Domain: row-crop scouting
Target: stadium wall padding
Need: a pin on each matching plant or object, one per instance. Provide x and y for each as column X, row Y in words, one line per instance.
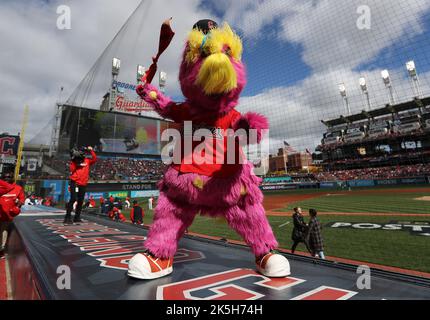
column 58, row 189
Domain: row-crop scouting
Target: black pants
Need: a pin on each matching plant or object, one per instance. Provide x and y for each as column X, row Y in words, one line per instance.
column 296, row 243
column 77, row 193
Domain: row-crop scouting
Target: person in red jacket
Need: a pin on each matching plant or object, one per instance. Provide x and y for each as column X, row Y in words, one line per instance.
column 12, row 197
column 79, row 175
column 137, row 214
column 48, row 202
column 92, row 202
column 116, row 215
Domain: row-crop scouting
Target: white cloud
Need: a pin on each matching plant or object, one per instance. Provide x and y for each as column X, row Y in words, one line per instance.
column 327, row 30
column 330, row 37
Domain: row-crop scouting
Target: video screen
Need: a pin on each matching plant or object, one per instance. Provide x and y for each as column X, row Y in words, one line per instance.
column 110, row 132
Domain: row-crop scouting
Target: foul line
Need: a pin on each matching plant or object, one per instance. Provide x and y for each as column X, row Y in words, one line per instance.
column 366, row 214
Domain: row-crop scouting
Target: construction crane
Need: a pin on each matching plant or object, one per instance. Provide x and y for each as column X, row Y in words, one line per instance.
column 21, row 143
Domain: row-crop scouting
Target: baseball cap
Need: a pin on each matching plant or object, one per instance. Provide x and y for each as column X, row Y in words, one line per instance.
column 205, row 25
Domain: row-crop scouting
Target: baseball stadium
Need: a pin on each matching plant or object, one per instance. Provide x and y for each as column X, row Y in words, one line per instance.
column 345, row 91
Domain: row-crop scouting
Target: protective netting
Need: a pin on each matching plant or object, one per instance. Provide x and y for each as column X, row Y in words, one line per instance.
column 297, row 54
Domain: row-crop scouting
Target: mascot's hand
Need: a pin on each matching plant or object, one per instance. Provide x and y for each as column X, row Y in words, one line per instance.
column 152, row 96
column 148, row 93
column 252, row 121
column 199, row 183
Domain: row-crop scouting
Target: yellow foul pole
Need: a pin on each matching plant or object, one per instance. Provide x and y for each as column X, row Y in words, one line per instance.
column 21, row 143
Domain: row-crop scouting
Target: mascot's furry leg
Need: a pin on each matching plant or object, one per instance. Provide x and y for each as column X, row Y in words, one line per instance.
column 171, row 219
column 249, row 220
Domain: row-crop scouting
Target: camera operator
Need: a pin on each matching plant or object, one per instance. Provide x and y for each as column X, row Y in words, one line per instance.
column 79, row 175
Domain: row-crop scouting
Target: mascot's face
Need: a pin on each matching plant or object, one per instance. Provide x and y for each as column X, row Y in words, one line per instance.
column 212, row 75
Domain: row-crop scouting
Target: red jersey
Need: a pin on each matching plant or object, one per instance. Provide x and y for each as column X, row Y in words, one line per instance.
column 80, row 173
column 208, row 155
column 5, row 187
column 8, row 202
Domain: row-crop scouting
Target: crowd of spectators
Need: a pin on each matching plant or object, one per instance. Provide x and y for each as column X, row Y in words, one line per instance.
column 370, row 173
column 127, row 169
column 116, row 169
column 391, row 172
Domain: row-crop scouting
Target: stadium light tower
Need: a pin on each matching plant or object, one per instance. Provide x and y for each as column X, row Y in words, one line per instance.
column 116, row 66
column 363, row 85
column 342, row 90
column 140, row 73
column 163, row 81
column 387, row 81
column 412, row 70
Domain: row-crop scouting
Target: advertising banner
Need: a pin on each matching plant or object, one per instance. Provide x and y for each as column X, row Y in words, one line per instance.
column 95, row 195
column 118, row 194
column 145, row 194
column 386, row 182
column 421, row 228
column 279, row 187
column 413, row 181
column 328, row 185
column 108, row 187
column 361, row 183
column 305, row 185
column 66, row 192
column 29, row 187
column 55, row 187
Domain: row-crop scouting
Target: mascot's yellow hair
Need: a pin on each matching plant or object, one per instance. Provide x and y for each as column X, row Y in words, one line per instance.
column 217, row 74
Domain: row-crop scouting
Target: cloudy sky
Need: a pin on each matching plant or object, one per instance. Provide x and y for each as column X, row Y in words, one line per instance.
column 296, row 52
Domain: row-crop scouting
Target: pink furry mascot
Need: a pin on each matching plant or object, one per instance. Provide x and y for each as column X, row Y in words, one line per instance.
column 212, row 76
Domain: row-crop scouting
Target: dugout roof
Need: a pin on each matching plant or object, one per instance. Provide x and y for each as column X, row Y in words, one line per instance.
column 98, row 250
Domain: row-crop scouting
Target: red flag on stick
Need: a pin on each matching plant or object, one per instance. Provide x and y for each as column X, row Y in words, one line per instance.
column 166, row 36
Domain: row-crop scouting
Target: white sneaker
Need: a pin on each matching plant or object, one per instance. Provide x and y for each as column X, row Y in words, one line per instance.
column 146, row 267
column 273, row 265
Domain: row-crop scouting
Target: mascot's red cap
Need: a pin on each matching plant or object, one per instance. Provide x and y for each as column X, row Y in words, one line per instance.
column 205, row 25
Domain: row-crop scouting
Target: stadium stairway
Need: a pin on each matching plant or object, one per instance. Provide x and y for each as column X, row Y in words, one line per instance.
column 47, row 260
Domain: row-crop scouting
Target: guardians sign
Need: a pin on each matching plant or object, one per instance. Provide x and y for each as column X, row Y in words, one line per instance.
column 124, row 105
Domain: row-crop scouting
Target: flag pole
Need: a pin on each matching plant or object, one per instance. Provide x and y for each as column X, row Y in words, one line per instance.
column 21, row 143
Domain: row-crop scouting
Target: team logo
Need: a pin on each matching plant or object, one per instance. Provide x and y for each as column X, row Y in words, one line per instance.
column 245, row 284
column 112, row 247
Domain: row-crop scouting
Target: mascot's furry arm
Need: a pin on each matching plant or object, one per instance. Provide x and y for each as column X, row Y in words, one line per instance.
column 252, row 121
column 162, row 105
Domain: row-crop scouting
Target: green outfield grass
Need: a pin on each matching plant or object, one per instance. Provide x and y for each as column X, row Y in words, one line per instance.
column 391, row 248
column 378, row 202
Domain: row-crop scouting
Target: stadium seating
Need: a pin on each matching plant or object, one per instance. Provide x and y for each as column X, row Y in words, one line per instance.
column 127, row 169
column 116, row 169
column 391, row 172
